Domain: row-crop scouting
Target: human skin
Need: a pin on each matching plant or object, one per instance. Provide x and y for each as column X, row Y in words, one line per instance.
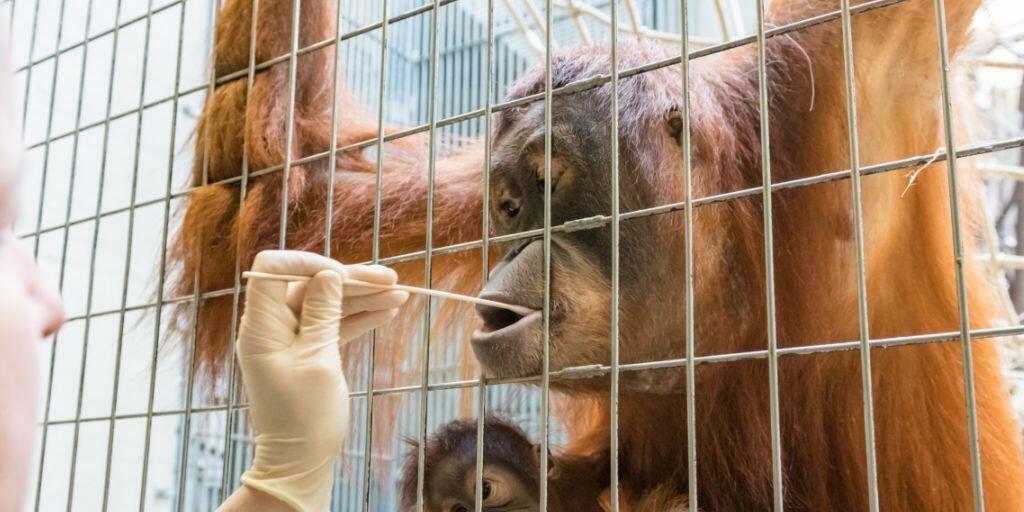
column 30, row 310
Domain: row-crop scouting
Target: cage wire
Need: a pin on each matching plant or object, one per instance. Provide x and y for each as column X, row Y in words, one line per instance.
column 110, row 93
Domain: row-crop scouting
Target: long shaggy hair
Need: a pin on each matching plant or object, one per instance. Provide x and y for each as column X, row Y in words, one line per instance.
column 921, row 436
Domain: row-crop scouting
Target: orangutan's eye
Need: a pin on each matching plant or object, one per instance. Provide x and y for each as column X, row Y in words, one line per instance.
column 510, row 208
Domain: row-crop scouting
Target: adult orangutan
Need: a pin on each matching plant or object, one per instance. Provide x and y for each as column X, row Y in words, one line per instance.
column 921, row 432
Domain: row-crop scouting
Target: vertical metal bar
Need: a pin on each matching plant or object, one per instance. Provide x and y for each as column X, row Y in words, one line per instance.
column 49, row 127
column 211, row 84
column 28, row 74
column 332, row 159
column 290, row 126
column 92, row 265
column 862, row 287
column 186, row 427
column 691, row 380
column 447, row 71
column 958, row 256
column 769, row 260
column 128, row 258
column 378, row 192
column 332, row 156
column 614, row 409
column 546, row 363
column 227, row 477
column 92, row 268
column 478, row 496
column 67, row 220
column 431, row 161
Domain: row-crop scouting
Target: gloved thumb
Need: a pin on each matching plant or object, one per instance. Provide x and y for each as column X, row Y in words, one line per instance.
column 321, row 307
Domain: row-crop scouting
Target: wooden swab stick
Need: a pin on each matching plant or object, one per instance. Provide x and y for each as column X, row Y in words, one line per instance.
column 519, row 310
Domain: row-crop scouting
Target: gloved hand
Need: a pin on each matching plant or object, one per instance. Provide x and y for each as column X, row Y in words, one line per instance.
column 287, row 350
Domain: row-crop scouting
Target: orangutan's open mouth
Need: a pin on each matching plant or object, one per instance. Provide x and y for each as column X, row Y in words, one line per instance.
column 502, row 327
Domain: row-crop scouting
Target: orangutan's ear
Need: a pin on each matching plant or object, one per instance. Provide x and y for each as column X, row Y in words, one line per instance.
column 674, row 123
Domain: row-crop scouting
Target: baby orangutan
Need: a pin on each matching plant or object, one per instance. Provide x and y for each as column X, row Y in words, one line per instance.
column 510, row 480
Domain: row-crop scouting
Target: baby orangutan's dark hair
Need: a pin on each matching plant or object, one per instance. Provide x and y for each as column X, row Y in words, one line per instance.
column 510, row 468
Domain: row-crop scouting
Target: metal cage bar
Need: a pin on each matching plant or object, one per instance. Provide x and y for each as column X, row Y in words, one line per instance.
column 232, row 370
column 427, row 260
column 585, row 84
column 39, row 217
column 597, row 221
column 372, row 350
column 64, row 245
column 958, row 255
column 861, row 270
column 545, row 398
column 49, row 120
column 688, row 295
column 329, row 220
column 290, row 122
column 56, row 338
column 28, row 79
column 863, row 344
column 187, row 410
column 485, row 261
column 369, row 424
column 769, row 258
column 614, row 131
column 196, row 301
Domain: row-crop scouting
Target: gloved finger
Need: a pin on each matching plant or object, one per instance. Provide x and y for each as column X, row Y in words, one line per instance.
column 297, row 263
column 266, row 326
column 374, row 302
column 355, row 326
column 295, row 295
column 321, row 307
column 377, row 274
column 285, row 262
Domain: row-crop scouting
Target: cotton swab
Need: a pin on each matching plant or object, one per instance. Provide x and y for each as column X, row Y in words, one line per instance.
column 519, row 310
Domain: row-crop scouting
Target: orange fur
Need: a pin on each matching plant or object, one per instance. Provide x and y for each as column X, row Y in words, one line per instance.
column 919, row 400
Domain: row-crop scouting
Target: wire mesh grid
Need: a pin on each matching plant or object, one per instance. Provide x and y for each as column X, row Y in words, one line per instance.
column 101, row 237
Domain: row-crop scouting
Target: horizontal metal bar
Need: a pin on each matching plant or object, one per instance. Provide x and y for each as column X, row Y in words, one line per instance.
column 97, row 35
column 590, row 371
column 108, row 213
column 234, row 75
column 141, row 415
column 573, row 87
column 601, row 220
column 596, row 370
column 243, row 72
column 598, row 221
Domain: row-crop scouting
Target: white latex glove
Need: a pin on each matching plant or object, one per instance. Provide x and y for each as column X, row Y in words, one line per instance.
column 288, row 352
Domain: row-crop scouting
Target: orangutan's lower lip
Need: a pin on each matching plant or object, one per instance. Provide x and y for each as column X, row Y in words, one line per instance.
column 488, row 334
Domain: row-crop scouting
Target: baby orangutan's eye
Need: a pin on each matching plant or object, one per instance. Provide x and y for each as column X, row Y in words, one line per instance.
column 497, row 492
